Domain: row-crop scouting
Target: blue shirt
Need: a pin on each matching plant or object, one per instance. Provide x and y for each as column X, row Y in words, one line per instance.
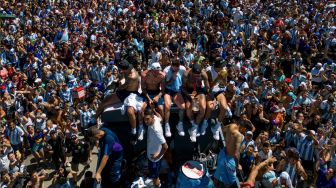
column 226, row 169
column 176, row 84
column 110, row 144
column 322, row 181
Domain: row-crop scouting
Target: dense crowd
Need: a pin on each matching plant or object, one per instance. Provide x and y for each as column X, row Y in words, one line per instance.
column 259, row 75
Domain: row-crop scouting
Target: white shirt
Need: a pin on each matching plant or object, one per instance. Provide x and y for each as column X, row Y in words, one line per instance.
column 155, row 138
column 156, row 56
column 4, row 161
column 264, row 156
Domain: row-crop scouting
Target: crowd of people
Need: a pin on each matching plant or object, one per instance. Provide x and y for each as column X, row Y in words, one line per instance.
column 262, row 72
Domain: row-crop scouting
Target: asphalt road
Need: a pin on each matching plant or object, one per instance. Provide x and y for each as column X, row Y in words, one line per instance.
column 182, row 148
column 31, row 166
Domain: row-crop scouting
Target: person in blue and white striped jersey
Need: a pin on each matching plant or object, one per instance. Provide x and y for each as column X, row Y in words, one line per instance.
column 65, row 93
column 15, row 136
column 305, row 145
column 87, row 117
column 292, row 165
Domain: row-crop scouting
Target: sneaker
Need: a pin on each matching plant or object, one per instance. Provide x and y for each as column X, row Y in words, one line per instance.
column 193, row 133
column 180, row 129
column 215, row 131
column 167, row 130
column 133, row 139
column 204, row 127
column 141, row 133
column 198, row 133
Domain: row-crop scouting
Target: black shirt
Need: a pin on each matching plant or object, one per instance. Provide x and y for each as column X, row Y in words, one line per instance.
column 80, row 152
column 56, row 145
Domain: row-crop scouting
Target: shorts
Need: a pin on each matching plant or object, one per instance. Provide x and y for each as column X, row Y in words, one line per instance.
column 74, row 166
column 215, row 94
column 123, row 94
column 37, row 147
column 153, row 94
column 170, row 92
column 199, row 91
column 154, row 169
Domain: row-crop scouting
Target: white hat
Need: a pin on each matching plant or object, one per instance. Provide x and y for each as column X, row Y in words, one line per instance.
column 38, row 80
column 155, row 66
column 303, row 84
column 232, row 82
column 249, row 132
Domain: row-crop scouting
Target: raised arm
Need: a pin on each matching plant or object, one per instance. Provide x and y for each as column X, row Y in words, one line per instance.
column 254, row 172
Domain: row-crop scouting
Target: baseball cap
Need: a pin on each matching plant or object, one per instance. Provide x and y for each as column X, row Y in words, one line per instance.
column 124, row 65
column 155, row 66
column 196, row 68
column 249, row 133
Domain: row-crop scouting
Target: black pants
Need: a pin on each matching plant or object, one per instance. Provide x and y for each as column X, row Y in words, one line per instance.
column 58, row 159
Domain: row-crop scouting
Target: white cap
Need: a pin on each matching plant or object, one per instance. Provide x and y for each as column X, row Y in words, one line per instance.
column 155, row 66
column 249, row 132
column 38, row 80
column 303, row 84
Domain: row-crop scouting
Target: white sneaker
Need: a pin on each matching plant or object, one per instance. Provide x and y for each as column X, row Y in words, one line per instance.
column 193, row 133
column 204, row 127
column 167, row 130
column 180, row 129
column 215, row 131
column 141, row 132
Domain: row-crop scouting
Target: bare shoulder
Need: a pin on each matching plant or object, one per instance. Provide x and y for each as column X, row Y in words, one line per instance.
column 232, row 127
column 162, row 74
column 186, row 72
column 144, row 74
column 134, row 74
column 204, row 74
